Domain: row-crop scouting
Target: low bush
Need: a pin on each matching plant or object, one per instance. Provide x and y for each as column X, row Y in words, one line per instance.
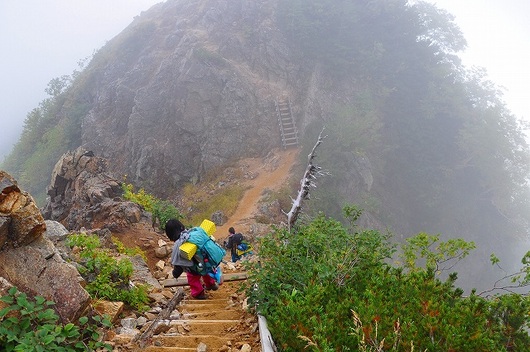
column 324, row 287
column 31, row 325
column 161, row 210
column 106, row 276
column 120, row 247
column 226, row 199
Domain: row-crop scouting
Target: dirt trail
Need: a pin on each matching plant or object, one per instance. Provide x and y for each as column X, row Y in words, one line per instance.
column 271, row 175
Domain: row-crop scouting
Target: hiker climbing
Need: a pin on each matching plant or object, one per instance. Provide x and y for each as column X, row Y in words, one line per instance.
column 237, row 244
column 197, row 254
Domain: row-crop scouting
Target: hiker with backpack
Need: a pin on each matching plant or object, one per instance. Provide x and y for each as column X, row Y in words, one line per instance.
column 201, row 266
column 237, row 245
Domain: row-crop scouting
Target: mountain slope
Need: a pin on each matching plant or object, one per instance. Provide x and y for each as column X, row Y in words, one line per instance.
column 420, row 142
column 193, row 87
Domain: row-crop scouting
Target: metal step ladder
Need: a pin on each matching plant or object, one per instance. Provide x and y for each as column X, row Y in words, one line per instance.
column 288, row 131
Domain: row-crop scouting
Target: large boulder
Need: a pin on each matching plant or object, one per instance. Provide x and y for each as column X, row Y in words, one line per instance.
column 20, row 219
column 38, row 269
column 29, row 260
column 82, row 193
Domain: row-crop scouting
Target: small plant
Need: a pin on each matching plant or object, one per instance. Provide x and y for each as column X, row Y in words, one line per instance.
column 438, row 256
column 120, row 247
column 31, row 325
column 145, row 200
column 161, row 210
column 106, row 276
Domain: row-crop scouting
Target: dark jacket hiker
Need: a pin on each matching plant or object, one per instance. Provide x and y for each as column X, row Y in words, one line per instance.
column 237, row 245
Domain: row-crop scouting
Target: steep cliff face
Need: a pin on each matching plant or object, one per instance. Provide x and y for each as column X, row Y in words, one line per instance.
column 190, row 85
column 187, row 86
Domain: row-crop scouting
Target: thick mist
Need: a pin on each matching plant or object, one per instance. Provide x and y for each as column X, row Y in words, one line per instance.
column 45, row 40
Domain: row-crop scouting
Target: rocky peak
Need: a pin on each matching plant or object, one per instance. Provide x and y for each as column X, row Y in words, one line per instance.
column 190, row 86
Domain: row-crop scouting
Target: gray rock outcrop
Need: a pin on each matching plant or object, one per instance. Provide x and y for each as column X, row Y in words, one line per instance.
column 83, row 193
column 29, row 259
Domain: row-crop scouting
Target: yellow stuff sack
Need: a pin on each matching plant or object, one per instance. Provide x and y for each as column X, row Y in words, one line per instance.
column 208, row 227
column 187, row 250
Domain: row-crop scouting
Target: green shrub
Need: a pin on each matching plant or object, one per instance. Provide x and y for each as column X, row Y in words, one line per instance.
column 120, row 247
column 327, row 288
column 145, row 200
column 31, row 325
column 106, row 276
column 161, row 210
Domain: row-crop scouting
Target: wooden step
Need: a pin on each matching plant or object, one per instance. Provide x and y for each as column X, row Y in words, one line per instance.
column 218, row 322
column 213, row 343
column 216, row 314
column 205, row 327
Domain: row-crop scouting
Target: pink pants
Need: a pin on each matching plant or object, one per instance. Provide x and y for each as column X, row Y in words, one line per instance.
column 195, row 283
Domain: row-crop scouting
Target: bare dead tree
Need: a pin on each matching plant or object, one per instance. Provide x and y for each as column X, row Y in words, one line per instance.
column 312, row 171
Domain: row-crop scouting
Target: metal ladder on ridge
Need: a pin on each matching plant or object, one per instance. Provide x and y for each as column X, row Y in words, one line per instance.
column 288, row 131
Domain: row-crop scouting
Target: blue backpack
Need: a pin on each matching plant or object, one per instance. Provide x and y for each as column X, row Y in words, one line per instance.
column 209, row 253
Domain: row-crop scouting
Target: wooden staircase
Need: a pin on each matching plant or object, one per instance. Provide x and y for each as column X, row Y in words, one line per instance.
column 288, row 131
column 209, row 321
column 218, row 323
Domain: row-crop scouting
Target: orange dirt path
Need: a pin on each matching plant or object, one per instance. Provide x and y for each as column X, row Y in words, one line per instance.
column 266, row 179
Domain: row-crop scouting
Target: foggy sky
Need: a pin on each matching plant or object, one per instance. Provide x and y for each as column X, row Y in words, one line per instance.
column 497, row 35
column 45, row 39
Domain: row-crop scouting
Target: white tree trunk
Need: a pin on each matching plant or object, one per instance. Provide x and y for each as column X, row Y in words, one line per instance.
column 310, row 174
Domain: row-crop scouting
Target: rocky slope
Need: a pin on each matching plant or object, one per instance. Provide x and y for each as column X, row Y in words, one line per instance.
column 83, row 189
